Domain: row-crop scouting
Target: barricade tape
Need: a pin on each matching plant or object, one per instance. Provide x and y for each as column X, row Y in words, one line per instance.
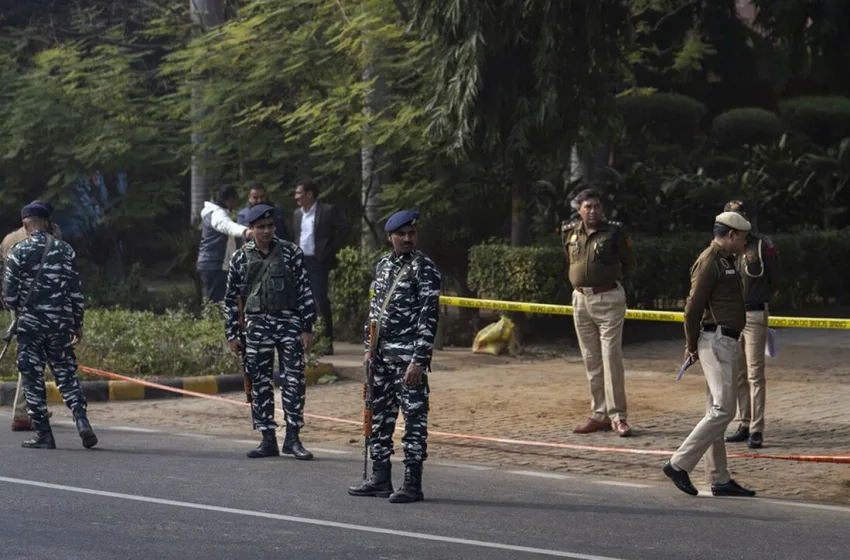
column 845, row 459
column 638, row 314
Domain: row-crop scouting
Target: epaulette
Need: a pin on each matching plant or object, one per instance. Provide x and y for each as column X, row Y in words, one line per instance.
column 615, row 223
column 568, row 225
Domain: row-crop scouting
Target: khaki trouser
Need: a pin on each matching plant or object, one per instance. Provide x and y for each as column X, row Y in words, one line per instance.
column 599, row 320
column 750, row 371
column 718, row 355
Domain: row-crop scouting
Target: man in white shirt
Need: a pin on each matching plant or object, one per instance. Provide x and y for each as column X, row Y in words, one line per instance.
column 216, row 229
column 320, row 231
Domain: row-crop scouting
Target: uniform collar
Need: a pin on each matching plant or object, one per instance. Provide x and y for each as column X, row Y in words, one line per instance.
column 720, row 250
column 402, row 258
column 604, row 225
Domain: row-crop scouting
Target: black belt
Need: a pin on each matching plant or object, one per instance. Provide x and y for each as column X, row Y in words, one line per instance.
column 725, row 331
column 752, row 306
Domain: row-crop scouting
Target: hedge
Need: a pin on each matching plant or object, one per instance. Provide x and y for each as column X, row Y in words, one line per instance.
column 815, row 271
column 143, row 344
column 823, row 118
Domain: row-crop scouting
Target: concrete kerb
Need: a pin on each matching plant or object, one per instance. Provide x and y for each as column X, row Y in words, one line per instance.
column 111, row 390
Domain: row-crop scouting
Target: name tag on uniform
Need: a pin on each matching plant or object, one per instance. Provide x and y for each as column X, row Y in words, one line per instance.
column 731, row 271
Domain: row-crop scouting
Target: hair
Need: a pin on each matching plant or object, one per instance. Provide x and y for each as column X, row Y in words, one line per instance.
column 257, row 187
column 225, row 193
column 587, row 194
column 721, row 230
column 43, row 224
column 309, row 186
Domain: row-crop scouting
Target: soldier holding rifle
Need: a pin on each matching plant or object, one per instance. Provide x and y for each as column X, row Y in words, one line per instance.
column 404, row 311
column 268, row 275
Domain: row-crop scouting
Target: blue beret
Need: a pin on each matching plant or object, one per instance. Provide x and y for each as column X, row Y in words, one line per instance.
column 258, row 212
column 45, row 204
column 401, row 219
column 35, row 210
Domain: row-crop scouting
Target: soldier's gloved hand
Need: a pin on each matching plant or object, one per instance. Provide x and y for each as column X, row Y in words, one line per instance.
column 77, row 337
column 413, row 375
column 307, row 341
column 235, row 346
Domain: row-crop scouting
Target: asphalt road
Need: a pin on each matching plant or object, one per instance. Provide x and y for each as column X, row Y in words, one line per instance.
column 145, row 494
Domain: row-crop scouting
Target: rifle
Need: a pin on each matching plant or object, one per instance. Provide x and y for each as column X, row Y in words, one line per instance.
column 367, row 398
column 7, row 338
column 245, row 380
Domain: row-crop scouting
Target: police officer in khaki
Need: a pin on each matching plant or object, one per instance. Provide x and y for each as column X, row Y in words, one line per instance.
column 714, row 318
column 759, row 266
column 600, row 257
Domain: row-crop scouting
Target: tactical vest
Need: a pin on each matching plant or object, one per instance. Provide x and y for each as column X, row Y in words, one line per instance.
column 269, row 288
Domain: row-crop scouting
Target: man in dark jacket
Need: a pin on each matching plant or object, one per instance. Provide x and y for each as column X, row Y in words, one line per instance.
column 320, row 231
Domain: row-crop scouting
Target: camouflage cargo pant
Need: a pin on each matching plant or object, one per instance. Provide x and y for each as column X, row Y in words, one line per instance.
column 33, row 352
column 263, row 335
column 388, row 392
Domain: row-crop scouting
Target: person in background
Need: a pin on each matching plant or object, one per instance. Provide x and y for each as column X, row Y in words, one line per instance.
column 216, row 227
column 320, row 231
column 258, row 194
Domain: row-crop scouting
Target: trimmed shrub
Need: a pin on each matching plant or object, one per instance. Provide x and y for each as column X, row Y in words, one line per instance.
column 815, row 271
column 670, row 118
column 823, row 118
column 349, row 292
column 746, row 127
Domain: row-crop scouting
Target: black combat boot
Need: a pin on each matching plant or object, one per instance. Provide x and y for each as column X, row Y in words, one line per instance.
column 292, row 445
column 267, row 447
column 380, row 485
column 411, row 490
column 741, row 434
column 85, row 431
column 43, row 439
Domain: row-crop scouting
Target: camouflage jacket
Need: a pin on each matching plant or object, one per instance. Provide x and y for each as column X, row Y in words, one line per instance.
column 409, row 323
column 57, row 303
column 306, row 310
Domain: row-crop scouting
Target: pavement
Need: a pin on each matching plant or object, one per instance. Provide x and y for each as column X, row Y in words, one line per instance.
column 145, row 493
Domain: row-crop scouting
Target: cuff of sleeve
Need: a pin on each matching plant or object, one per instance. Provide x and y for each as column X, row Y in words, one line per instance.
column 307, row 328
column 421, row 361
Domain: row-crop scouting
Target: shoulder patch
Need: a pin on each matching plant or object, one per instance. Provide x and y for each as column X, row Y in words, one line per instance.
column 569, row 225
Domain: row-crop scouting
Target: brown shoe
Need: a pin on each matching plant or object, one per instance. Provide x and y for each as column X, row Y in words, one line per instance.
column 593, row 426
column 623, row 429
column 22, row 425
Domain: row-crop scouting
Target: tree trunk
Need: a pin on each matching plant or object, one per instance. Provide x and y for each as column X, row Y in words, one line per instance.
column 206, row 14
column 371, row 163
column 519, row 211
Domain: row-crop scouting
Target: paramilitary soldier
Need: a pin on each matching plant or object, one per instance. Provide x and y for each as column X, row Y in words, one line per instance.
column 42, row 288
column 600, row 257
column 759, row 266
column 405, row 307
column 714, row 318
column 268, row 274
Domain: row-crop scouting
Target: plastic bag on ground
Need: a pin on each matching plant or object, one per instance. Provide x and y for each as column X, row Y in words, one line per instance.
column 496, row 338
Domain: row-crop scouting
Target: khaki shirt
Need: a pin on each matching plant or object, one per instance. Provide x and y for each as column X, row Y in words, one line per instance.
column 10, row 241
column 601, row 258
column 717, row 295
column 759, row 265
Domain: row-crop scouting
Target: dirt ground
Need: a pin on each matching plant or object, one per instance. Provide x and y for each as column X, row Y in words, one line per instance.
column 544, row 399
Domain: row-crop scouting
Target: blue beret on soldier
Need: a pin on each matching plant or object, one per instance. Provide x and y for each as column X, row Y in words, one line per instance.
column 35, row 210
column 401, row 219
column 45, row 204
column 258, row 212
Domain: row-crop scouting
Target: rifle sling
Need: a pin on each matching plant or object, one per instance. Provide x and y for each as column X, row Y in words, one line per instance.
column 385, row 303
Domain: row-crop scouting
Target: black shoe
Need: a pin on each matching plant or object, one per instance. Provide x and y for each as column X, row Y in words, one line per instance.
column 267, row 447
column 41, row 440
column 411, row 490
column 380, row 485
column 755, row 441
column 731, row 488
column 86, row 432
column 292, row 445
column 742, row 433
column 680, row 478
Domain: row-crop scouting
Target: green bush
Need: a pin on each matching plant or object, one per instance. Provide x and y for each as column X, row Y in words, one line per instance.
column 746, row 127
column 669, row 118
column 824, row 119
column 815, row 271
column 349, row 293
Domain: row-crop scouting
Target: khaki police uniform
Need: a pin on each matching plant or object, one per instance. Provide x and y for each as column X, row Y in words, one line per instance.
column 598, row 263
column 714, row 317
column 759, row 265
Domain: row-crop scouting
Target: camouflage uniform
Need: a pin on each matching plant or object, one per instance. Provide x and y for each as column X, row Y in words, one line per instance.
column 45, row 325
column 406, row 334
column 270, row 327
